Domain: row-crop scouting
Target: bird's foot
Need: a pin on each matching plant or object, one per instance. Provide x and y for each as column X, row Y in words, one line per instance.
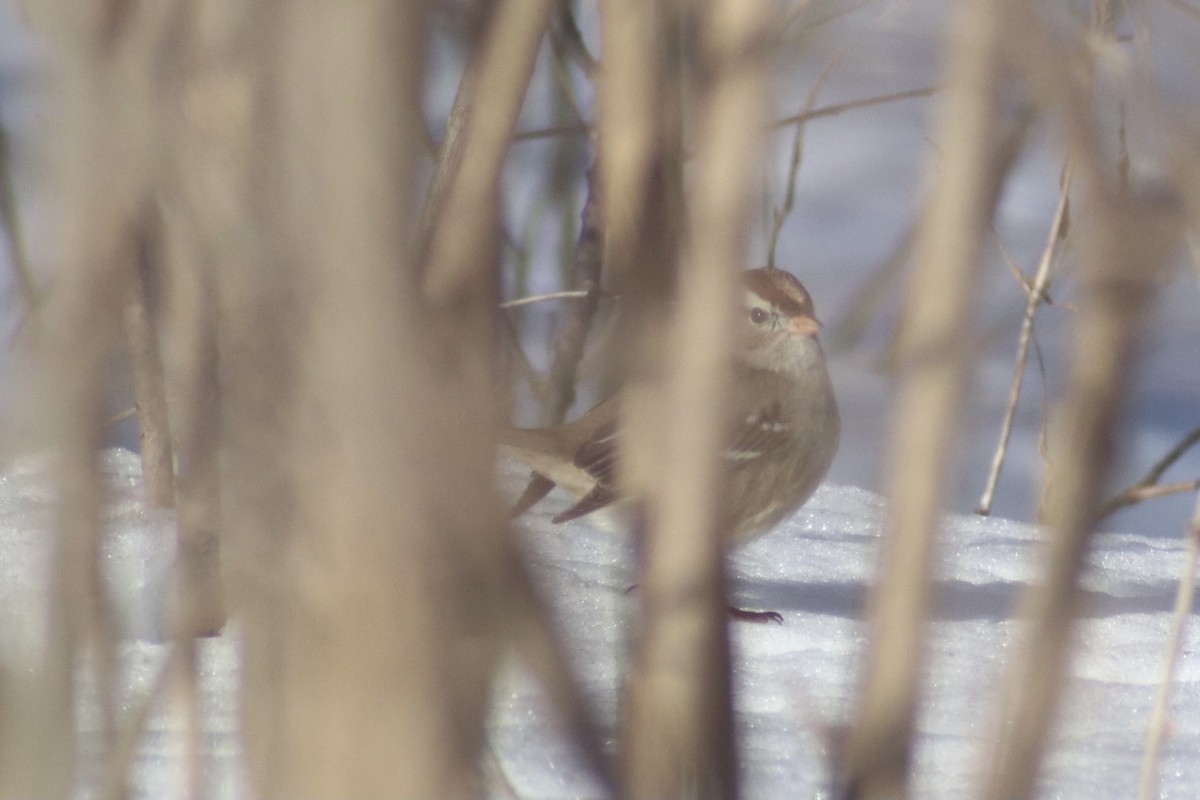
column 746, row 615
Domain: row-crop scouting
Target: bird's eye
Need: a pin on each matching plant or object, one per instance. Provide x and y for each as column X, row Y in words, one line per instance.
column 758, row 315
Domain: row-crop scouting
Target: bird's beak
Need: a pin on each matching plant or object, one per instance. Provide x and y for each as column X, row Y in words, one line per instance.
column 804, row 325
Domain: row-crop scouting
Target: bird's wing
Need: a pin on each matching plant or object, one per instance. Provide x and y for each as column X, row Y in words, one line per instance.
column 760, row 434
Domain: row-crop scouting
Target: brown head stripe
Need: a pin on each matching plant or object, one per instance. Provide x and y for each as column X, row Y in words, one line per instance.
column 780, row 289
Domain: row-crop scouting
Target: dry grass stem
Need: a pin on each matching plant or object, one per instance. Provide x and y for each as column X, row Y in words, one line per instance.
column 1148, row 487
column 571, row 336
column 796, row 119
column 118, row 418
column 458, row 282
column 450, row 154
column 1128, row 237
column 575, row 129
column 1126, row 242
column 569, row 294
column 781, row 214
column 934, row 348
column 1036, row 293
column 840, row 108
column 1156, row 733
column 1141, row 494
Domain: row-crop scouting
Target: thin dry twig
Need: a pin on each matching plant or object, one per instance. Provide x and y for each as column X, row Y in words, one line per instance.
column 576, row 129
column 1035, row 296
column 1156, row 732
column 1147, row 488
column 571, row 338
column 796, row 119
column 1144, row 493
column 840, row 108
column 121, row 416
column 789, row 198
column 1025, row 283
column 569, row 294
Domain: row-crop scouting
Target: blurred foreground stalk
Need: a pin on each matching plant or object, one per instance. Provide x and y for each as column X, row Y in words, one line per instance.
column 99, row 111
column 376, row 576
column 678, row 726
column 1127, row 239
column 975, row 153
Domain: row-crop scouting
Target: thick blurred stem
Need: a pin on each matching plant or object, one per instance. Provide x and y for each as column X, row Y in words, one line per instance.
column 460, row 286
column 1126, row 242
column 934, row 348
column 10, row 219
column 640, row 156
column 680, row 740
column 200, row 594
column 97, row 172
column 464, row 202
column 333, row 694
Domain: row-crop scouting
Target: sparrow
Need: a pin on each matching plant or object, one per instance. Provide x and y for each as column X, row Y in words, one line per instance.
column 784, row 424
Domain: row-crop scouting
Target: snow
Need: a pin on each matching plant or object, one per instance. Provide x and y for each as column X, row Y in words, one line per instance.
column 794, row 682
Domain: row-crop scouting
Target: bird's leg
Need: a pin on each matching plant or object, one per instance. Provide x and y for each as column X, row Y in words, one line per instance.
column 746, row 615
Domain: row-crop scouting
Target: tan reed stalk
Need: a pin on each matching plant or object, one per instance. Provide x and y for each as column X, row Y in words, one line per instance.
column 933, row 366
column 99, row 153
column 679, row 735
column 1124, row 240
